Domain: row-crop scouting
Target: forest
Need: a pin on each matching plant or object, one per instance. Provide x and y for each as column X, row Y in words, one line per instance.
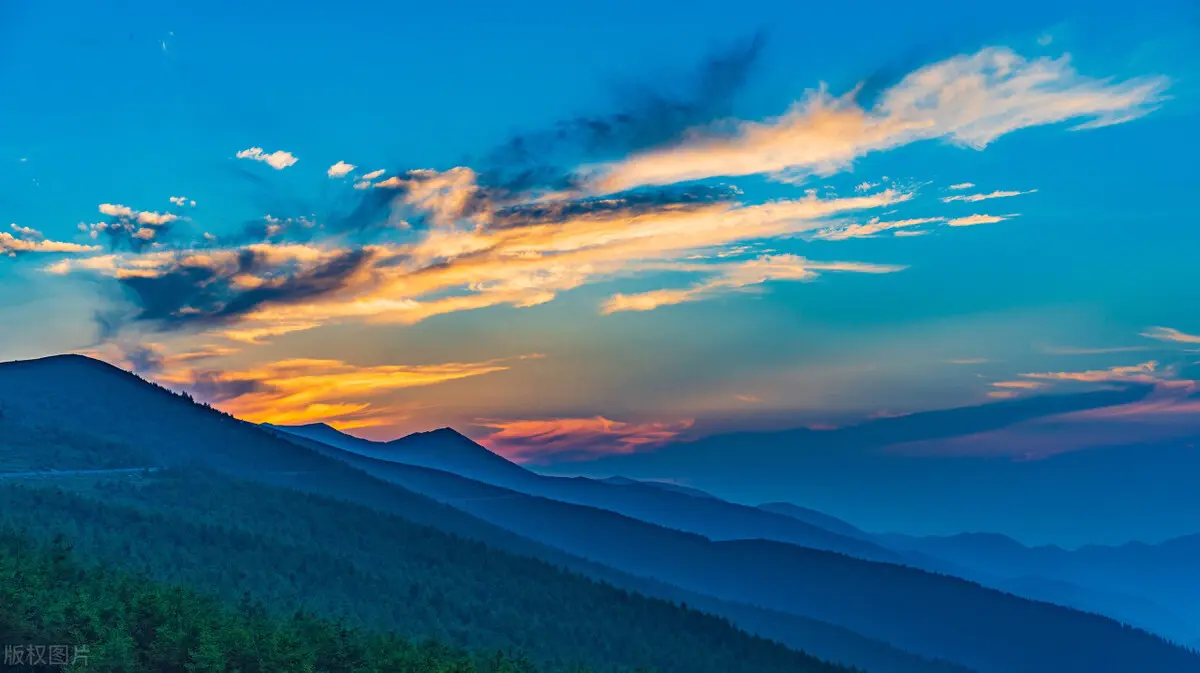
column 293, row 551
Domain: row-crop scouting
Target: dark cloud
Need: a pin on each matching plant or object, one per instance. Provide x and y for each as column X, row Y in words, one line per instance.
column 193, row 294
column 651, row 114
column 213, row 387
column 628, row 204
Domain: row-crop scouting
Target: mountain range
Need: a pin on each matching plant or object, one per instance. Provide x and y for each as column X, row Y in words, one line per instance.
column 313, row 500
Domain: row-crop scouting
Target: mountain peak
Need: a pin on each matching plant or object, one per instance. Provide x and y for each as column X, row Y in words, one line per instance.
column 443, row 434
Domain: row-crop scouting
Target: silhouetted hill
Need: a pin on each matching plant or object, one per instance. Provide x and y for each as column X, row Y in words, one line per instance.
column 194, row 522
column 929, row 614
column 452, row 452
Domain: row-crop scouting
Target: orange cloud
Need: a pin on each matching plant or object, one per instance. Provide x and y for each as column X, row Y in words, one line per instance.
column 972, row 220
column 737, row 276
column 1172, row 335
column 11, row 245
column 530, row 441
column 309, row 391
column 969, row 99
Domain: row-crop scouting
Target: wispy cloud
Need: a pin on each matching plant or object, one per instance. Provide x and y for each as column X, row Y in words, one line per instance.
column 970, row 100
column 973, row 198
column 737, row 276
column 1068, row 350
column 873, row 227
column 962, row 185
column 558, row 439
column 278, row 159
column 972, row 220
column 1171, row 335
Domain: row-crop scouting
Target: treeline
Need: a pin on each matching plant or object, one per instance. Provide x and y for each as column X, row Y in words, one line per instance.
column 104, row 621
column 293, row 550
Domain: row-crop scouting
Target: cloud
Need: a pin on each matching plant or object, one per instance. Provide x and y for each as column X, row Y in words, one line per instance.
column 518, row 258
column 310, row 390
column 1019, row 385
column 649, row 114
column 155, row 219
column 873, row 227
column 969, row 361
column 278, row 160
column 910, row 232
column 737, row 276
column 373, row 174
column 962, row 185
column 973, row 198
column 969, row 100
column 1171, row 335
column 182, row 201
column 865, row 186
column 27, row 233
column 116, row 210
column 558, row 439
column 1146, row 372
column 340, row 169
column 12, row 245
column 1068, row 350
column 972, row 220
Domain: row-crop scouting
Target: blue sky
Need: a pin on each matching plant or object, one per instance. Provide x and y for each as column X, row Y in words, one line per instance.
column 748, row 303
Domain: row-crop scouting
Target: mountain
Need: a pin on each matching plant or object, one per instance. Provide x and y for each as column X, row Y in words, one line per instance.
column 926, row 473
column 1150, row 585
column 234, row 510
column 678, row 488
column 929, row 614
column 812, row 516
column 452, row 452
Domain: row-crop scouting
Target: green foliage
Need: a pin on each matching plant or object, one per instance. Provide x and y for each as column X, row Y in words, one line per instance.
column 131, row 624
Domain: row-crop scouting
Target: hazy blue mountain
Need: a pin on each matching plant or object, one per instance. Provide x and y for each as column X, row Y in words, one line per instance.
column 1156, row 586
column 656, row 503
column 678, row 488
column 1100, row 495
column 930, row 614
column 812, row 516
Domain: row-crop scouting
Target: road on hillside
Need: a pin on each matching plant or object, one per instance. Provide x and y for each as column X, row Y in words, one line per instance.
column 72, row 473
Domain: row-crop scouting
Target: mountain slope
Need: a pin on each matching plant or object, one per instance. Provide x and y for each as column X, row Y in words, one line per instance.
column 930, row 614
column 1154, row 586
column 290, row 550
column 450, row 451
column 815, row 518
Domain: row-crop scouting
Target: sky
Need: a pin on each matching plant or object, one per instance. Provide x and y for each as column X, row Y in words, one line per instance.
column 579, row 231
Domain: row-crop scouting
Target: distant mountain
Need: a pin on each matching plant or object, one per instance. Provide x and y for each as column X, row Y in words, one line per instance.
column 678, row 488
column 863, row 474
column 665, row 505
column 1153, row 586
column 929, row 614
column 812, row 516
